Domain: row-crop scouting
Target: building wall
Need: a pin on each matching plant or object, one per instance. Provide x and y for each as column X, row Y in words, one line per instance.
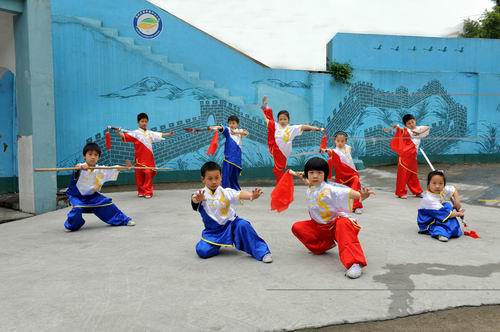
column 118, row 77
column 452, row 83
column 7, row 142
column 7, row 46
column 105, row 73
column 8, row 165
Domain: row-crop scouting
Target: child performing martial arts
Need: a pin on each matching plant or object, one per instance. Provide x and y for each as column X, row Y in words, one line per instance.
column 436, row 216
column 84, row 196
column 232, row 164
column 329, row 205
column 223, row 228
column 280, row 137
column 143, row 140
column 340, row 160
column 405, row 143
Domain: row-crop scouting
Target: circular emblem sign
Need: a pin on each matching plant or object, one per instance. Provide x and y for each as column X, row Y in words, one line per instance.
column 147, row 23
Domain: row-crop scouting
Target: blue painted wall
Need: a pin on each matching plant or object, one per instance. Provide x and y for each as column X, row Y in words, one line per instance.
column 183, row 43
column 105, row 73
column 186, row 78
column 419, row 54
column 8, row 150
column 461, row 72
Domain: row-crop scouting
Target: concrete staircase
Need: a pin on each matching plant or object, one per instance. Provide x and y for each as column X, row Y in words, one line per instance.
column 178, row 69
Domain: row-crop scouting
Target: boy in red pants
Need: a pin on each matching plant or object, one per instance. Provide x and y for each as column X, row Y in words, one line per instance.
column 143, row 140
column 329, row 206
column 405, row 143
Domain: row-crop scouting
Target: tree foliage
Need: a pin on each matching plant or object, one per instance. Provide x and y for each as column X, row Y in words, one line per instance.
column 487, row 26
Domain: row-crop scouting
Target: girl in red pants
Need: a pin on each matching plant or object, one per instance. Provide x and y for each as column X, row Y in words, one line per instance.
column 280, row 136
column 329, row 206
column 340, row 160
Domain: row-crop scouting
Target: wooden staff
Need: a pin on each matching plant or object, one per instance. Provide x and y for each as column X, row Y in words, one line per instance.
column 197, row 130
column 124, row 168
column 171, row 133
column 118, row 129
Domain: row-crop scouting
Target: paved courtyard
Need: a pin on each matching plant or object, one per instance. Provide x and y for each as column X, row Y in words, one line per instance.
column 148, row 277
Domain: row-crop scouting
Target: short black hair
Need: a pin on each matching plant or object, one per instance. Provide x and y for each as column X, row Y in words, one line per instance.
column 141, row 116
column 434, row 173
column 283, row 112
column 92, row 147
column 210, row 166
column 408, row 117
column 341, row 133
column 316, row 164
column 233, row 118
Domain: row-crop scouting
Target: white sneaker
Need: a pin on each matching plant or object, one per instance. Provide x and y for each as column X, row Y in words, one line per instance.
column 403, row 197
column 358, row 211
column 131, row 223
column 268, row 258
column 148, row 196
column 354, row 271
column 140, row 195
column 443, row 238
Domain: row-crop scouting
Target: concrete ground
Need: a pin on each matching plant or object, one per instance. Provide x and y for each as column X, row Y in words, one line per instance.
column 148, row 277
column 7, row 215
column 478, row 184
column 483, row 318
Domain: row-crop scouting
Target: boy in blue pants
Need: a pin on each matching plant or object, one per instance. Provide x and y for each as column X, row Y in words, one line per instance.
column 84, row 196
column 223, row 228
column 232, row 164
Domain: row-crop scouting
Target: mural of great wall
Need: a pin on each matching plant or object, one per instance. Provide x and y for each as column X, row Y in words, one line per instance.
column 365, row 104
column 212, row 112
column 363, row 113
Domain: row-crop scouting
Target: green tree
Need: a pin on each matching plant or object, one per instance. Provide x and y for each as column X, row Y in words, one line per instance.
column 488, row 25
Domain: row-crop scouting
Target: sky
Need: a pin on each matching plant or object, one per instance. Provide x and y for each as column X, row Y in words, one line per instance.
column 293, row 33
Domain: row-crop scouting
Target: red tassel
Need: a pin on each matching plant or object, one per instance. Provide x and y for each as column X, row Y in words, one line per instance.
column 324, row 142
column 401, row 143
column 282, row 194
column 467, row 232
column 213, row 144
column 108, row 140
column 472, row 234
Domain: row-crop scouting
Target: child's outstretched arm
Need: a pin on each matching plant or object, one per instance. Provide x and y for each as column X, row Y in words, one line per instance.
column 391, row 128
column 83, row 166
column 300, row 175
column 128, row 165
column 198, row 196
column 250, row 195
column 240, row 132
column 422, row 130
column 311, row 128
column 265, row 102
column 215, row 128
column 170, row 133
column 120, row 133
column 455, row 198
column 455, row 214
column 362, row 195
